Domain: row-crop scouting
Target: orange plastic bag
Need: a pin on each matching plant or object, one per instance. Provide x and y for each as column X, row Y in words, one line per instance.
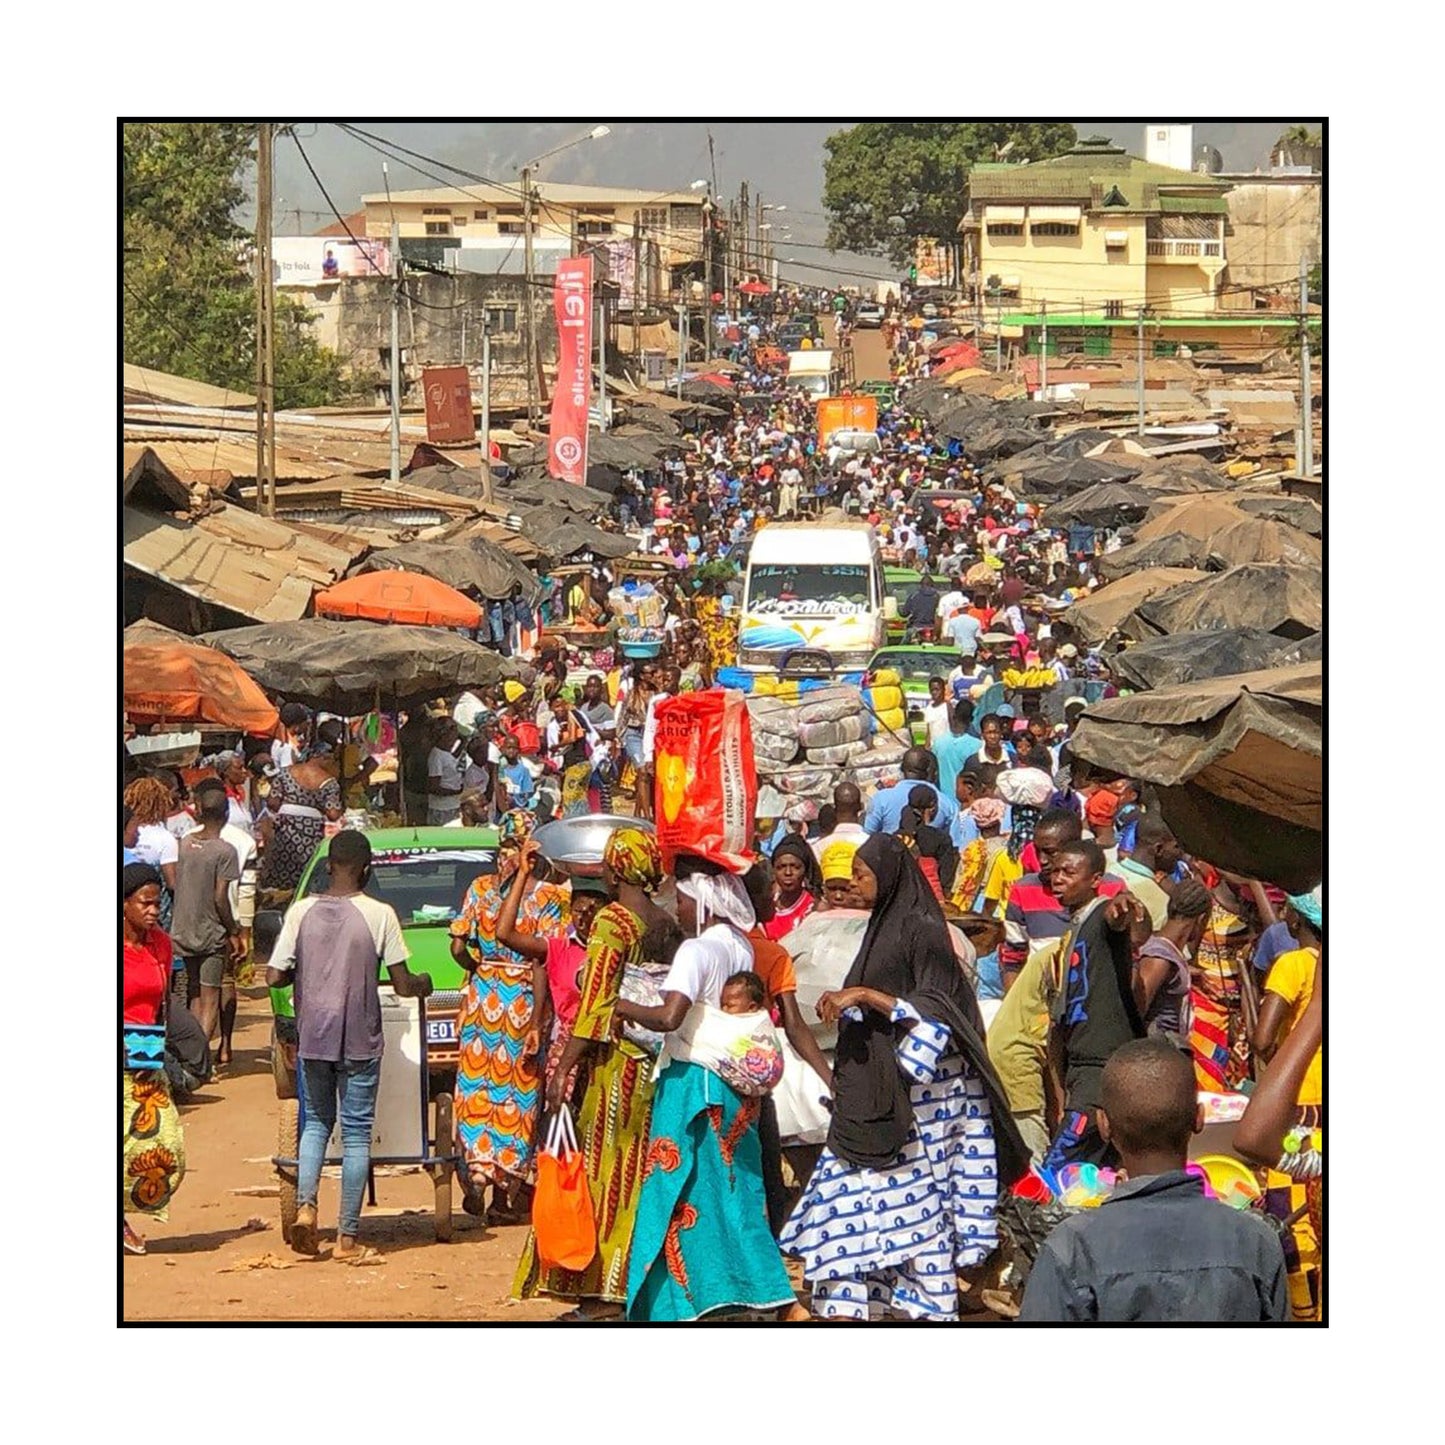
column 562, row 1217
column 706, row 778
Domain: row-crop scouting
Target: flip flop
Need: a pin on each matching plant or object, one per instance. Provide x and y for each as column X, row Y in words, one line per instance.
column 303, row 1237
column 366, row 1255
column 133, row 1246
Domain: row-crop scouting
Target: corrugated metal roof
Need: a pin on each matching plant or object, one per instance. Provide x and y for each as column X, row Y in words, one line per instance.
column 1087, row 173
column 162, row 386
column 231, row 558
column 551, row 191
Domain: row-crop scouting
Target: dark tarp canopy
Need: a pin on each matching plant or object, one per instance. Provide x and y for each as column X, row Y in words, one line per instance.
column 1195, row 656
column 1275, row 598
column 534, row 488
column 1178, row 549
column 560, row 533
column 1110, row 504
column 1292, row 511
column 341, row 666
column 477, row 567
column 1101, row 613
column 1238, row 764
column 1073, row 474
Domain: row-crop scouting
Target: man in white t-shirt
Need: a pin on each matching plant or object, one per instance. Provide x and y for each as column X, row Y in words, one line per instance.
column 444, row 775
column 848, row 806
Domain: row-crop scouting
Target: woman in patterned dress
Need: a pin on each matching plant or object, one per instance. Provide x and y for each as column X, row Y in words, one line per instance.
column 498, row 1085
column 922, row 1141
column 616, row 1110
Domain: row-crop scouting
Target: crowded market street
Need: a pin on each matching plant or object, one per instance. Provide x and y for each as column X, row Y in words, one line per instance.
column 762, row 796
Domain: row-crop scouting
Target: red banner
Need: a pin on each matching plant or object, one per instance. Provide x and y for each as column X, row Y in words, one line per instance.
column 567, row 440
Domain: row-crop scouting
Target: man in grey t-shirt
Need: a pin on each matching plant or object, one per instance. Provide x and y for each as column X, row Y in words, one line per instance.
column 335, row 943
column 204, row 930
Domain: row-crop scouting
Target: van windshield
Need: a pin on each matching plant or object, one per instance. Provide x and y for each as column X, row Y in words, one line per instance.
column 790, row 587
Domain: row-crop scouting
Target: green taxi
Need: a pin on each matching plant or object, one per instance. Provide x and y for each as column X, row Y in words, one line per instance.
column 914, row 664
column 424, row 874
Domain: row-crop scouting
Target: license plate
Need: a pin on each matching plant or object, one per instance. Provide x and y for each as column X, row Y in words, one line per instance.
column 441, row 1031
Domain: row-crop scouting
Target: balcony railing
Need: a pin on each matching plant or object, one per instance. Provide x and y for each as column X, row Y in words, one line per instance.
column 1186, row 250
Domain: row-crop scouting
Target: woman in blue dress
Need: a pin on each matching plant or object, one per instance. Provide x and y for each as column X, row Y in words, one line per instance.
column 922, row 1142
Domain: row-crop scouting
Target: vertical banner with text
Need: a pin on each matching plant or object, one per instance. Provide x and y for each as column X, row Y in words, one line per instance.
column 567, row 440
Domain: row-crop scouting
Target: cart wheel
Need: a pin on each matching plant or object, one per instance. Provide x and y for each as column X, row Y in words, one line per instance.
column 282, row 1072
column 288, row 1146
column 444, row 1143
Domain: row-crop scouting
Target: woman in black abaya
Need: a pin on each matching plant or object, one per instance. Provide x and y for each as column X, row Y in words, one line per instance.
column 922, row 1142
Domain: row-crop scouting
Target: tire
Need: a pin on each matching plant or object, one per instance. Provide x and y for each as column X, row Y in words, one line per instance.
column 288, row 1146
column 443, row 1143
column 282, row 1071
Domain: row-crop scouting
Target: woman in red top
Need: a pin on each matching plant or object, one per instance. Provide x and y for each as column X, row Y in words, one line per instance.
column 797, row 885
column 153, row 1160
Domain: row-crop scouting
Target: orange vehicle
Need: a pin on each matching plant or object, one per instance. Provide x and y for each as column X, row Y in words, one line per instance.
column 847, row 413
column 770, row 356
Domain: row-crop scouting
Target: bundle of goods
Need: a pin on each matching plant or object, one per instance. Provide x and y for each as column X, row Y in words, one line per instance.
column 640, row 641
column 1031, row 677
column 637, row 604
column 885, row 696
column 880, row 767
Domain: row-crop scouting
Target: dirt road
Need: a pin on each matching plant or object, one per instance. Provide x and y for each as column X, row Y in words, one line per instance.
column 870, row 356
column 216, row 1257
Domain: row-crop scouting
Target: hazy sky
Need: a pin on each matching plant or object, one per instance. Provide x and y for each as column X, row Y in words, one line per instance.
column 783, row 161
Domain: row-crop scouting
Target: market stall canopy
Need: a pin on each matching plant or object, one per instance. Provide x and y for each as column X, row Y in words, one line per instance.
column 1060, row 478
column 476, row 567
column 182, row 681
column 1093, row 619
column 1198, row 514
column 1257, row 539
column 1196, row 656
column 755, row 288
column 559, row 534
column 410, row 598
column 533, row 487
column 1275, row 598
column 1178, row 549
column 1110, row 504
column 1292, row 511
column 1237, row 762
column 343, row 666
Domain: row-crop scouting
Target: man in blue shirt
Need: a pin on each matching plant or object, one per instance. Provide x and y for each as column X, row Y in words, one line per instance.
column 885, row 812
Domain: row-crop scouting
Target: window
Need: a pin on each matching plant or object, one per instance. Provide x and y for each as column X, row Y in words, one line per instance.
column 438, row 228
column 511, row 228
column 1005, row 228
column 788, row 590
column 653, row 217
column 594, row 228
column 436, row 210
column 1113, row 309
column 1053, row 228
column 479, row 215
column 510, row 210
column 459, row 220
column 685, row 220
column 502, row 320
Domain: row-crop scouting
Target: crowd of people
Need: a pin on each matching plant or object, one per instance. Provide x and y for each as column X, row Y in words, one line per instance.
column 1033, row 975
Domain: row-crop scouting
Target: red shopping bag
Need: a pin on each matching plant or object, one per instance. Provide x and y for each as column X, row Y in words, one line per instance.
column 706, row 778
column 562, row 1216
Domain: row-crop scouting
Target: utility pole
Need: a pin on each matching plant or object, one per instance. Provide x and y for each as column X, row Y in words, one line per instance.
column 681, row 346
column 601, row 362
column 1306, row 460
column 1141, row 372
column 637, row 293
column 743, row 231
column 998, row 330
column 1044, row 351
column 265, row 329
column 486, row 410
column 757, row 247
column 533, row 362
column 707, row 269
column 395, row 354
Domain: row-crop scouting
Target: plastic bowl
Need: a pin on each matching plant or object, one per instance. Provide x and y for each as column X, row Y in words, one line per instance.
column 1232, row 1179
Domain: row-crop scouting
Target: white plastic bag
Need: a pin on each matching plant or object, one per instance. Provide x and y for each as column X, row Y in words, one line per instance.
column 803, row 1118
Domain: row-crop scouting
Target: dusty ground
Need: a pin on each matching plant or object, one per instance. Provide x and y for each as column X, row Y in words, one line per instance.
column 220, row 1255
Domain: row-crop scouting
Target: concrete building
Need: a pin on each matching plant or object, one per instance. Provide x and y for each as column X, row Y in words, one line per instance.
column 1275, row 217
column 1095, row 230
column 482, row 228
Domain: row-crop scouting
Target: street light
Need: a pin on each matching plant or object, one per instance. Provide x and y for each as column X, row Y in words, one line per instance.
column 534, row 355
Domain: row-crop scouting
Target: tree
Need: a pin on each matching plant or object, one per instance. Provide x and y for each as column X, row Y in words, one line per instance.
column 188, row 303
column 916, row 172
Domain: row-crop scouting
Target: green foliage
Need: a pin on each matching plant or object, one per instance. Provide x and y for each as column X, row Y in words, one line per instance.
column 188, row 300
column 916, row 171
column 1301, row 135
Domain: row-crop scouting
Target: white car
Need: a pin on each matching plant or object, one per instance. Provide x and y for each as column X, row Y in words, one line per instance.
column 869, row 315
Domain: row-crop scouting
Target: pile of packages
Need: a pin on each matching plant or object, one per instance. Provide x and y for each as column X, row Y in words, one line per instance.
column 641, row 616
column 806, row 742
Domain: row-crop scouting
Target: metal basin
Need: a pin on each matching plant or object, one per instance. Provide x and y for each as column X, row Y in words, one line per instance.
column 576, row 844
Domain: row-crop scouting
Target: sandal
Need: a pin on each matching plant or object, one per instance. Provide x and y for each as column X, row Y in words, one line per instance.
column 131, row 1242
column 303, row 1232
column 362, row 1255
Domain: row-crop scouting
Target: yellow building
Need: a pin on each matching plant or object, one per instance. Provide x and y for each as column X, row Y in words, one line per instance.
column 488, row 221
column 1095, row 230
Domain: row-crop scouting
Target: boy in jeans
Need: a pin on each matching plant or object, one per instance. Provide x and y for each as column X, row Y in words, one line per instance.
column 1157, row 1249
column 333, row 942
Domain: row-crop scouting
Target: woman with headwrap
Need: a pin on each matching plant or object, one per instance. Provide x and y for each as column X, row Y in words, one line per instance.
column 153, row 1156
column 702, row 1241
column 498, row 1089
column 797, row 885
column 922, row 1143
column 1288, row 991
column 304, row 797
column 1025, row 790
column 616, row 1108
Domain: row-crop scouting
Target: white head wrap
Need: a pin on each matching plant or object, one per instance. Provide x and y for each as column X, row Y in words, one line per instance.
column 719, row 897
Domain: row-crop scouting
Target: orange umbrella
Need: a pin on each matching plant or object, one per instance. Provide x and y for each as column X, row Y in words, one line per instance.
column 185, row 682
column 407, row 597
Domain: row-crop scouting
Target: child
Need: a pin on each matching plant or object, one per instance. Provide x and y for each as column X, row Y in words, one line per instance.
column 936, row 855
column 1157, row 1249
column 743, row 993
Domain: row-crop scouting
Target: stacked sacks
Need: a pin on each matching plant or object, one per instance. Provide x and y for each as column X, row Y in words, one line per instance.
column 880, row 767
column 775, row 732
column 885, row 697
